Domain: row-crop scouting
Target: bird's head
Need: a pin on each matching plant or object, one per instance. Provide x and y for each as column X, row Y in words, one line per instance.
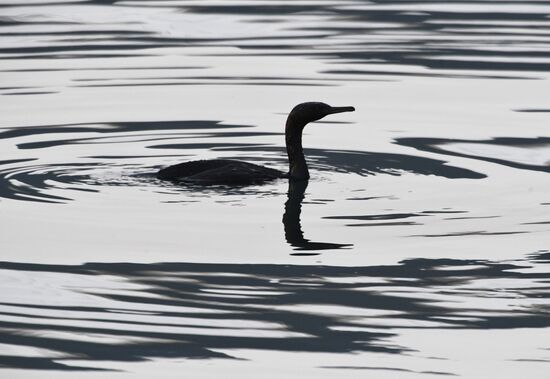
column 304, row 113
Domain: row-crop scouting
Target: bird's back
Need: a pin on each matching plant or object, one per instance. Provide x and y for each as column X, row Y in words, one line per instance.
column 219, row 171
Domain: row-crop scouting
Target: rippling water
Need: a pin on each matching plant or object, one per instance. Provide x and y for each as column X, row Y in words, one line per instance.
column 418, row 248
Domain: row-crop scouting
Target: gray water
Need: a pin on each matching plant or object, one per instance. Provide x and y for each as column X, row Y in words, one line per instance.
column 420, row 247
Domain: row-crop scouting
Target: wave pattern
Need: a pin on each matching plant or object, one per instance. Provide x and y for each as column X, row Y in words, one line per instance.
column 30, row 179
column 444, row 183
column 483, row 39
column 133, row 312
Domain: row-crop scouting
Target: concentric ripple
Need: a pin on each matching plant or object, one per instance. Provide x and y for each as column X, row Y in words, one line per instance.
column 37, row 182
column 42, row 176
column 31, row 179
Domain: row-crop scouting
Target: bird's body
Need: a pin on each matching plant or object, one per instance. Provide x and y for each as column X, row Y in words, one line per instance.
column 232, row 172
column 220, row 171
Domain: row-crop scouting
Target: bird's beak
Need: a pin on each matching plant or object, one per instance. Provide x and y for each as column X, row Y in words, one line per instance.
column 340, row 110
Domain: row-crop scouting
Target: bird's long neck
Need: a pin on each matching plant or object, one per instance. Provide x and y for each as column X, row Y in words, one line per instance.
column 294, row 150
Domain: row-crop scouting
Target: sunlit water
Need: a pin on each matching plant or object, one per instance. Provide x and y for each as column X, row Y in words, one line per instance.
column 418, row 249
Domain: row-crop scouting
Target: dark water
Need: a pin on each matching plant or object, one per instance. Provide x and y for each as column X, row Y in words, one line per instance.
column 418, row 248
column 192, row 310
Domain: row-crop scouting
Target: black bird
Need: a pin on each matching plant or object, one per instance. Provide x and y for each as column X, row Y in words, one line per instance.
column 231, row 172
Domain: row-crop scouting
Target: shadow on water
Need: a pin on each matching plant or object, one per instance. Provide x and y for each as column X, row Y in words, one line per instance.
column 437, row 35
column 366, row 163
column 528, row 145
column 380, row 219
column 403, row 33
column 533, row 110
column 116, row 127
column 204, row 310
column 292, row 224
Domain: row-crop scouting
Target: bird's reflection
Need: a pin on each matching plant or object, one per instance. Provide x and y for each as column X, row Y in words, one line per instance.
column 291, row 221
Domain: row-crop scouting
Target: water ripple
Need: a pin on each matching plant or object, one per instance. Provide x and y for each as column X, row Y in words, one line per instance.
column 52, row 181
column 134, row 312
column 439, row 38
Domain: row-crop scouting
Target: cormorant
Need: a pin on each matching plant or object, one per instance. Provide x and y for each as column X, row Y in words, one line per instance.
column 225, row 171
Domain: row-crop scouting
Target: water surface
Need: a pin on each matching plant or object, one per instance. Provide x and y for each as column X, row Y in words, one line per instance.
column 419, row 248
